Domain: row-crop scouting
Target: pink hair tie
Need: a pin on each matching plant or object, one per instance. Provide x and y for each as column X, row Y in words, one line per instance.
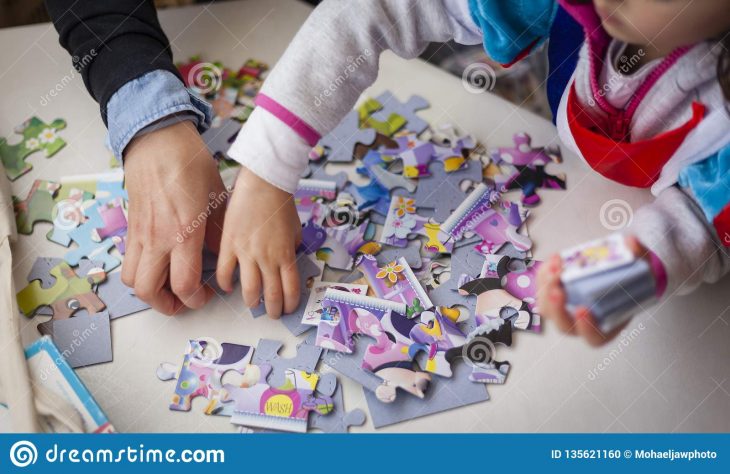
column 302, row 128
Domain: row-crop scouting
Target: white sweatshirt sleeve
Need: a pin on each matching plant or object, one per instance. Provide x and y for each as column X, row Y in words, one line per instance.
column 338, row 50
column 676, row 230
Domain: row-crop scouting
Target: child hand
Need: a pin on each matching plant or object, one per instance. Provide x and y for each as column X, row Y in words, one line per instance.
column 552, row 300
column 261, row 231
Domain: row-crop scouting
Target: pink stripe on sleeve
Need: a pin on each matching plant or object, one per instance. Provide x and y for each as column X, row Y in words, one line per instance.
column 660, row 273
column 302, row 128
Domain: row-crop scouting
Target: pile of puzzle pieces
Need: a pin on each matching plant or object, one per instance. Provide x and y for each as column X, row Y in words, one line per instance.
column 88, row 214
column 428, row 264
column 273, row 393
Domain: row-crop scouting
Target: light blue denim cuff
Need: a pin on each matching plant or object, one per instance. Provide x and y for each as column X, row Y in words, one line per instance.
column 147, row 99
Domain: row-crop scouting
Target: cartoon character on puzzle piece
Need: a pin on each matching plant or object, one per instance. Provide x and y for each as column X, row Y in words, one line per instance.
column 286, row 407
column 504, row 294
column 495, row 220
column 37, row 136
column 479, row 350
column 200, row 375
column 525, row 168
column 68, row 294
column 391, row 356
column 439, row 331
column 38, row 206
column 395, row 281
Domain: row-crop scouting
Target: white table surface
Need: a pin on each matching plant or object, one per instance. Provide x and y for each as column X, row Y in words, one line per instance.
column 671, row 375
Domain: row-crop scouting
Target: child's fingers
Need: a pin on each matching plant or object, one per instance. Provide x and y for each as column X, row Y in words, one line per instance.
column 250, row 282
column 273, row 294
column 587, row 328
column 551, row 296
column 291, row 286
column 225, row 267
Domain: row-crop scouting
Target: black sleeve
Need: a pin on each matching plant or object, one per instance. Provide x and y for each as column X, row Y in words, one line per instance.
column 111, row 42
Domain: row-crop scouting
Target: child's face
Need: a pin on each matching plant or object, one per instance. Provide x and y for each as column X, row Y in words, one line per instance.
column 664, row 25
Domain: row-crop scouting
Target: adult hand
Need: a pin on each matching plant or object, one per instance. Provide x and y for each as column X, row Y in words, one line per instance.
column 176, row 204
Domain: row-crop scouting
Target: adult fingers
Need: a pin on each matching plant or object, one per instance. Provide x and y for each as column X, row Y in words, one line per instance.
column 186, row 266
column 131, row 262
column 150, row 283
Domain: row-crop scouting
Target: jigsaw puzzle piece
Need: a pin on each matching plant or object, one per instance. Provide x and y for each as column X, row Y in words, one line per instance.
column 83, row 235
column 387, row 127
column 281, row 407
column 37, row 136
column 494, row 292
column 119, row 299
column 340, row 142
column 68, row 293
column 267, row 353
column 36, row 207
column 390, row 358
column 395, row 281
column 201, row 375
column 526, row 168
column 442, row 191
column 83, row 340
column 338, row 420
column 392, row 106
column 318, row 171
column 495, row 220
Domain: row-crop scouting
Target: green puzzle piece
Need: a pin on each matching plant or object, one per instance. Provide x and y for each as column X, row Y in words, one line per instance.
column 37, row 207
column 388, row 128
column 37, row 136
column 67, row 285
